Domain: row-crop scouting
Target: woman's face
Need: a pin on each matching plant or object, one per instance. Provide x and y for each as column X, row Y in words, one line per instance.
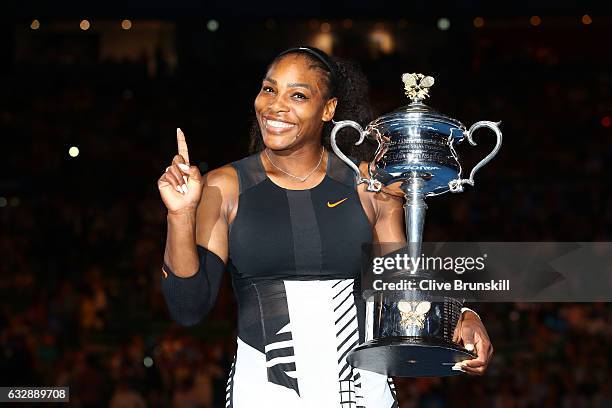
column 291, row 105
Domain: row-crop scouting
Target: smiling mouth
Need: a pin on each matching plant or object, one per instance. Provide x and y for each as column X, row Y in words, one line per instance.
column 277, row 125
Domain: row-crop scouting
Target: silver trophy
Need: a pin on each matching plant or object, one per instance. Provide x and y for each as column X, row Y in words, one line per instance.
column 411, row 336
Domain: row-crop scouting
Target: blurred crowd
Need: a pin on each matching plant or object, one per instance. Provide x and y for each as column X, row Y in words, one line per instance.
column 82, row 237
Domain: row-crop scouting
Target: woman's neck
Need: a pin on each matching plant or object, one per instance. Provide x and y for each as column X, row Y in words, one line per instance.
column 299, row 161
column 299, row 169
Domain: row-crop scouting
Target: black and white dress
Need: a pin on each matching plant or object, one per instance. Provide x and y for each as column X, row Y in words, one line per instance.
column 294, row 259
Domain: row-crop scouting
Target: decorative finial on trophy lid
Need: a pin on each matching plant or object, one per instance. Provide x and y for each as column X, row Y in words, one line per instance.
column 417, row 86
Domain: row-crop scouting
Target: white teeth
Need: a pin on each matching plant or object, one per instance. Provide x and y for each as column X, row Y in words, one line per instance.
column 276, row 123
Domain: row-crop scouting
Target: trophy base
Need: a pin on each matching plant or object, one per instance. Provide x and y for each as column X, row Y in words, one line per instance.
column 409, row 357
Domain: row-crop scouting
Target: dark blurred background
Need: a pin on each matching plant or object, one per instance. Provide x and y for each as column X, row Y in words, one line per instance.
column 91, row 95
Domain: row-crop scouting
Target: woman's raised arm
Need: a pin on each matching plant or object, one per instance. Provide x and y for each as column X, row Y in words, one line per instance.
column 196, row 243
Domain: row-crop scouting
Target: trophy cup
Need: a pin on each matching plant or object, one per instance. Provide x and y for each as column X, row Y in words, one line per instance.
column 411, row 336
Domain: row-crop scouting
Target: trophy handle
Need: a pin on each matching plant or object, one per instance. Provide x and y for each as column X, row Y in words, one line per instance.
column 372, row 184
column 456, row 186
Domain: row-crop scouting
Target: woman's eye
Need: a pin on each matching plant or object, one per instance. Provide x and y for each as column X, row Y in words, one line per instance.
column 299, row 95
column 267, row 89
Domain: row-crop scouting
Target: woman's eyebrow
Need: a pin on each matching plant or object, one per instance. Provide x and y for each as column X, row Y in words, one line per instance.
column 290, row 85
column 299, row 85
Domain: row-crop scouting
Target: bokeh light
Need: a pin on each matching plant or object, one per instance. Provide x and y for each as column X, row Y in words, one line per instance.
column 212, row 25
column 324, row 41
column 535, row 21
column 383, row 40
column 443, row 24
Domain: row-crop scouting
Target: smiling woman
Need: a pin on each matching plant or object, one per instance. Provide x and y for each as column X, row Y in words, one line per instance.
column 333, row 83
column 288, row 223
column 291, row 114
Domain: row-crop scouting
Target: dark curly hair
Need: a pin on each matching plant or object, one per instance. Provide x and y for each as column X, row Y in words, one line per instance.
column 350, row 86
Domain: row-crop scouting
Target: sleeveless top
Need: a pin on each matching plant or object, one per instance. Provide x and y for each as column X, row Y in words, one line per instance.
column 294, row 260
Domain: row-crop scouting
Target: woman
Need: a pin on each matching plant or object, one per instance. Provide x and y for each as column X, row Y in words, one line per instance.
column 288, row 223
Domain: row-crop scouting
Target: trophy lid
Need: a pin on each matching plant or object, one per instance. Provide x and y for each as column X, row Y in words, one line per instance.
column 417, row 87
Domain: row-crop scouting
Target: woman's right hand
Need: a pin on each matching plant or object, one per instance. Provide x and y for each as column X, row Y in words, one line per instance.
column 180, row 186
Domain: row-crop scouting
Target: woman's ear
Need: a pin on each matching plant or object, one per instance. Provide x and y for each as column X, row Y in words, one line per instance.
column 329, row 109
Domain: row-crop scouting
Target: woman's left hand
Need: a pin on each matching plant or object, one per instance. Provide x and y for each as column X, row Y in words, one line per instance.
column 472, row 334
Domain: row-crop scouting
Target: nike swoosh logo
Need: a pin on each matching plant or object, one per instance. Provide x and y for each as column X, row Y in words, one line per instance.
column 332, row 205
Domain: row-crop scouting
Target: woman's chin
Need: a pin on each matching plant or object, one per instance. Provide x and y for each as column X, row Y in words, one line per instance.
column 279, row 142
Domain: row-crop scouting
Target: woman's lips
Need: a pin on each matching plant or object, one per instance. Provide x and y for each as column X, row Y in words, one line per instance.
column 277, row 126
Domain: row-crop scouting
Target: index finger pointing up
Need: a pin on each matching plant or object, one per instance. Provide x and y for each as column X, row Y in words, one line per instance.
column 182, row 145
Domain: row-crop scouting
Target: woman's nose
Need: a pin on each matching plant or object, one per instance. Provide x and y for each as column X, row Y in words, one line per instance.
column 279, row 104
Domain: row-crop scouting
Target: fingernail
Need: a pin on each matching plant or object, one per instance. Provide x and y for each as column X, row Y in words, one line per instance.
column 185, row 178
column 462, row 363
column 185, row 188
column 178, row 188
column 178, row 130
column 457, row 368
column 469, row 347
column 183, row 167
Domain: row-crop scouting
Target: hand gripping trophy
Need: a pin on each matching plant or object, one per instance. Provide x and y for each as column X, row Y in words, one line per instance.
column 412, row 336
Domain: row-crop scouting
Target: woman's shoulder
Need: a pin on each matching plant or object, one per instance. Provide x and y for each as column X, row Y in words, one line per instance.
column 224, row 178
column 227, row 177
column 220, row 186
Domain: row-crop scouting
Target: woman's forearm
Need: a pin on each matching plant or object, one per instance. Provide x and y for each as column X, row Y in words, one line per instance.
column 181, row 254
column 192, row 273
